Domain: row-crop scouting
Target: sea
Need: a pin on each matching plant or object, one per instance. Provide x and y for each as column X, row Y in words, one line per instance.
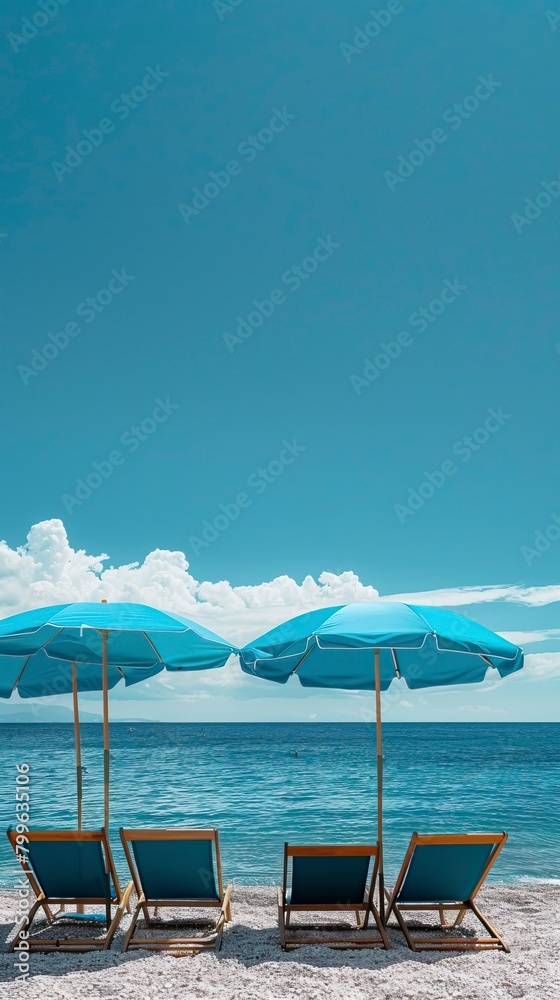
column 263, row 784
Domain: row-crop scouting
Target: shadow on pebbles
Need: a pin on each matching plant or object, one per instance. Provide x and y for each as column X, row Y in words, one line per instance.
column 252, row 966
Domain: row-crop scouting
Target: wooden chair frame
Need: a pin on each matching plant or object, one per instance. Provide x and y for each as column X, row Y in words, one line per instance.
column 362, row 910
column 432, row 943
column 177, row 945
column 44, row 902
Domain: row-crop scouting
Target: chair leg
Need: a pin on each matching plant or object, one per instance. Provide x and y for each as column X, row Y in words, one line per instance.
column 362, row 924
column 132, row 927
column 388, row 906
column 25, row 924
column 281, row 919
column 226, row 905
column 453, row 944
column 460, row 917
column 224, row 917
column 218, row 930
column 485, row 923
column 380, row 926
column 123, row 905
column 404, row 928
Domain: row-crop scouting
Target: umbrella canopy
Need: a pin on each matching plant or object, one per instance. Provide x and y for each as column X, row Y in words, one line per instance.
column 68, row 647
column 142, row 637
column 426, row 646
column 367, row 646
column 38, row 675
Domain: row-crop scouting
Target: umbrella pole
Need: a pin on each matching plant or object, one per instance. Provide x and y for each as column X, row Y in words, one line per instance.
column 380, row 876
column 77, row 740
column 105, row 673
column 80, row 908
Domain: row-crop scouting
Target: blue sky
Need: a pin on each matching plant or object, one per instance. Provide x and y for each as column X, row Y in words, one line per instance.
column 195, row 171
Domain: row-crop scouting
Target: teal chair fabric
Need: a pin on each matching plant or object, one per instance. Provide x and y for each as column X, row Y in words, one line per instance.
column 69, row 869
column 328, row 880
column 176, row 869
column 444, row 873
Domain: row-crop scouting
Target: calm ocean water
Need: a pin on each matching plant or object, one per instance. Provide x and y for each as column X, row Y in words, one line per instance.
column 262, row 784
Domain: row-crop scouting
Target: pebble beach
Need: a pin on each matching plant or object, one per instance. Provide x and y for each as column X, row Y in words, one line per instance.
column 252, row 966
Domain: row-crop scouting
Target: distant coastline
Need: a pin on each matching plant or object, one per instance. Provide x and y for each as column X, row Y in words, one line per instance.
column 90, row 718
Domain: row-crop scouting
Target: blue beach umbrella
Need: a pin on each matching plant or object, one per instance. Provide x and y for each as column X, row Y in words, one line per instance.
column 367, row 646
column 68, row 648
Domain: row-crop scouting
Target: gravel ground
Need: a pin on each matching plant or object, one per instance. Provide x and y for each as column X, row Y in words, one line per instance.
column 251, row 965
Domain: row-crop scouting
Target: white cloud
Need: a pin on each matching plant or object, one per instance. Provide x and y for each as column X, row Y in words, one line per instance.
column 47, row 570
column 463, row 596
column 525, row 639
column 542, row 666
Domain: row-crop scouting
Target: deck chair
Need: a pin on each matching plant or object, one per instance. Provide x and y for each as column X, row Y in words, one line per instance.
column 330, row 879
column 69, row 867
column 176, row 868
column 445, row 873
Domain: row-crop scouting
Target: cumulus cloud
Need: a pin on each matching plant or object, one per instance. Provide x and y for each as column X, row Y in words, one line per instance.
column 47, row 570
